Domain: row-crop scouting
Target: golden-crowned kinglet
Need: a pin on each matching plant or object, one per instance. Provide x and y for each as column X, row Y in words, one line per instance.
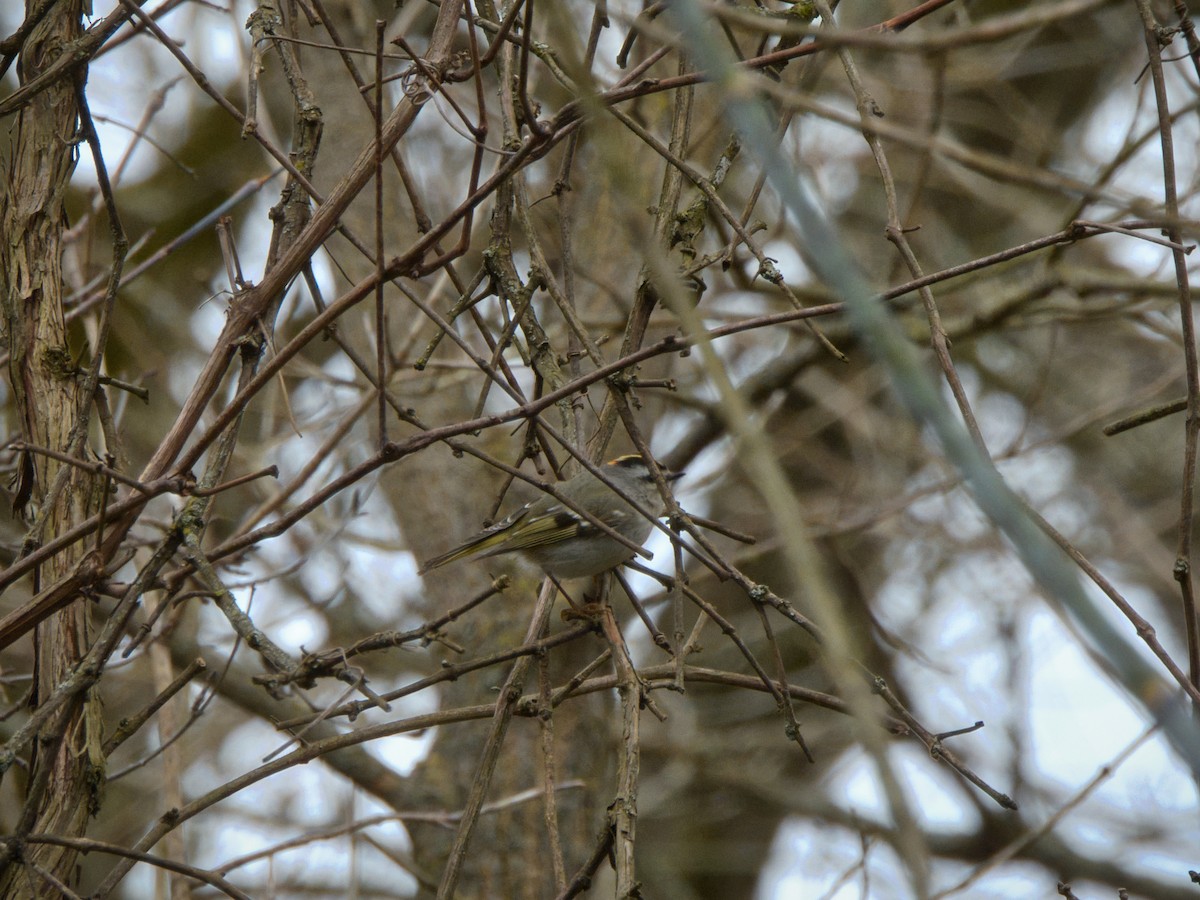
column 564, row 543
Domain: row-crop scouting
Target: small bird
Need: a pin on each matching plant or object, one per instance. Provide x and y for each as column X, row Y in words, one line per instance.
column 562, row 542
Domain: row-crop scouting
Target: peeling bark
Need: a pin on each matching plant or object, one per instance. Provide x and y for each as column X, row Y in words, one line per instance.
column 67, row 765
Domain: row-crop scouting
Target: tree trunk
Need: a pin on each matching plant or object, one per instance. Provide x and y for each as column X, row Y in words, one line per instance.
column 67, row 766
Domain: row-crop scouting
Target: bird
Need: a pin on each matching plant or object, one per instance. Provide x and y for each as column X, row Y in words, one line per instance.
column 564, row 543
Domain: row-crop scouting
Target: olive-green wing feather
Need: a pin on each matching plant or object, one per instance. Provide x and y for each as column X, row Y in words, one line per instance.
column 489, row 539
